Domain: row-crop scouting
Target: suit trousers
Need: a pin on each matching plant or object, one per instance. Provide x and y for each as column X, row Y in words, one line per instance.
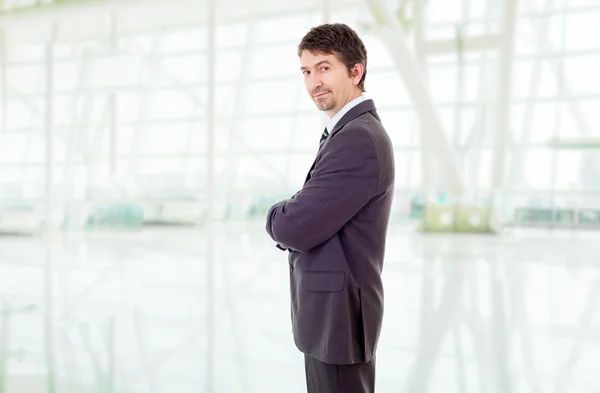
column 334, row 378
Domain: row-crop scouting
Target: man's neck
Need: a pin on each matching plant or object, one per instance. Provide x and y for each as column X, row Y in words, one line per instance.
column 330, row 114
column 333, row 120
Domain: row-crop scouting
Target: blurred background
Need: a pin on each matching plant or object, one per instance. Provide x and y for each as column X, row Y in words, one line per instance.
column 143, row 141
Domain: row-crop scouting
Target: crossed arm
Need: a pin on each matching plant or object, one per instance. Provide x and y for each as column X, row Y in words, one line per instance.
column 343, row 181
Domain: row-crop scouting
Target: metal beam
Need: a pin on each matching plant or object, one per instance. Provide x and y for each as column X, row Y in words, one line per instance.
column 460, row 88
column 477, row 136
column 112, row 150
column 503, row 113
column 227, row 186
column 520, row 155
column 48, row 126
column 49, row 216
column 38, row 6
column 3, row 81
column 210, row 196
column 575, row 143
column 432, row 335
column 4, row 344
column 392, row 35
column 112, row 103
column 426, row 153
column 516, row 274
column 500, row 343
column 133, row 168
column 469, row 44
column 585, row 322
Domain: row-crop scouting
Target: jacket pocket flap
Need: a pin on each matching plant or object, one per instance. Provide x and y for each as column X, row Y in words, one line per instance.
column 323, row 281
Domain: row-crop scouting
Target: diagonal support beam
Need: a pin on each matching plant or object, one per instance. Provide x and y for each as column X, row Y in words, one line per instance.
column 440, row 323
column 586, row 320
column 391, row 34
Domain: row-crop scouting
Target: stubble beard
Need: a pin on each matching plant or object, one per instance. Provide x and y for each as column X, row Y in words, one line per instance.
column 325, row 104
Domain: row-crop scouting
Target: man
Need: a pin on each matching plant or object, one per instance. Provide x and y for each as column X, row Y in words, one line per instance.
column 334, row 228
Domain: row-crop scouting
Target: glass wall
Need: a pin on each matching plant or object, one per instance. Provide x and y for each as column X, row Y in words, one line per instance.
column 129, row 115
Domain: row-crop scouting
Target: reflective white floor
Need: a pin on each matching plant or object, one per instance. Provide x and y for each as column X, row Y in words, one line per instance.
column 127, row 312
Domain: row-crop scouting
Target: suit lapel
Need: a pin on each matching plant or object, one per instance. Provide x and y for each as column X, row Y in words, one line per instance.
column 310, row 170
column 358, row 110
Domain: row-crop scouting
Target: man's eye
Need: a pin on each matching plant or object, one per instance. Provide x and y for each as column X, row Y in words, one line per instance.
column 305, row 72
column 325, row 68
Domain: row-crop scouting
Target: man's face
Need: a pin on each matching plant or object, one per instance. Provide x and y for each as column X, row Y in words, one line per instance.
column 327, row 81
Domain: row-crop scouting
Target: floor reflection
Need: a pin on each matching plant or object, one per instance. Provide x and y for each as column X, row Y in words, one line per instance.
column 126, row 312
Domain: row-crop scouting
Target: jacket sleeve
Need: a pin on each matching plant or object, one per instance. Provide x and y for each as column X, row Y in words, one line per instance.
column 342, row 183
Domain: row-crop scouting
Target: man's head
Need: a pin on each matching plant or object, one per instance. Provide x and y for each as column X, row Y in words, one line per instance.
column 334, row 63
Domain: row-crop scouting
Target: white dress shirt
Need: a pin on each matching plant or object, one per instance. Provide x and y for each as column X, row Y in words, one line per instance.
column 334, row 120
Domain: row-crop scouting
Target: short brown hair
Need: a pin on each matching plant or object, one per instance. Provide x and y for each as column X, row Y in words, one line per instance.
column 340, row 40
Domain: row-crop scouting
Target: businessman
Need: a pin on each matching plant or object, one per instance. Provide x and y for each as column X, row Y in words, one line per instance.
column 334, row 229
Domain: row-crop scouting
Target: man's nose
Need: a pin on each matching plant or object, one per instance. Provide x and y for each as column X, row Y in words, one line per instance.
column 314, row 82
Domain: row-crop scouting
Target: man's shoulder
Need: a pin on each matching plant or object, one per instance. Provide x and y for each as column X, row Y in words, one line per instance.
column 367, row 122
column 366, row 130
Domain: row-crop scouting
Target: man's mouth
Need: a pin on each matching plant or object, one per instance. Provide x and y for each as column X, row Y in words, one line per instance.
column 320, row 94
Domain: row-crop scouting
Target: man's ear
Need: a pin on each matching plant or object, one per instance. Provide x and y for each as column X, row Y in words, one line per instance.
column 357, row 73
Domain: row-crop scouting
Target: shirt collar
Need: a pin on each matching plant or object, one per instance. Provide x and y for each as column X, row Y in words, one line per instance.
column 334, row 120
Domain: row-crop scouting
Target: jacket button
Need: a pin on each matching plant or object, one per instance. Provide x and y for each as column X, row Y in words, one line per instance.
column 291, row 268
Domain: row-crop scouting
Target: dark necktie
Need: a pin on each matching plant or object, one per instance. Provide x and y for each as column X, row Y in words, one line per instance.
column 323, row 136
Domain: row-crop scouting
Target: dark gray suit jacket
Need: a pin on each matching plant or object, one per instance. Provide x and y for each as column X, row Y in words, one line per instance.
column 335, row 231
